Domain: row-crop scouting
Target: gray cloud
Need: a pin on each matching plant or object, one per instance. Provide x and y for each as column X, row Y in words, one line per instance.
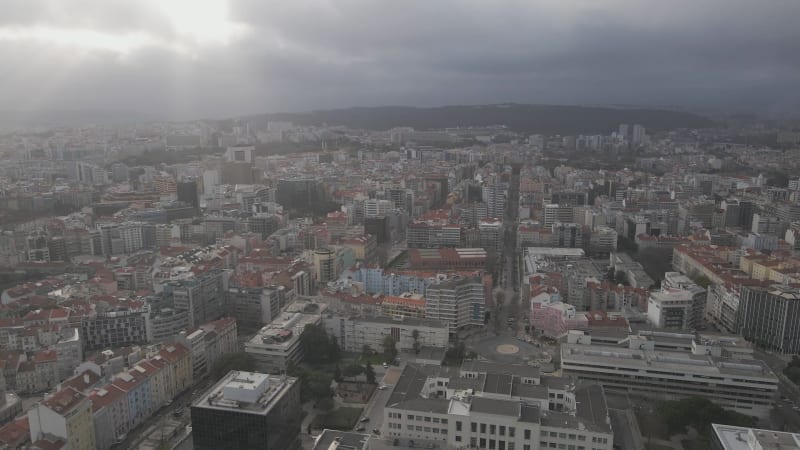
column 308, row 54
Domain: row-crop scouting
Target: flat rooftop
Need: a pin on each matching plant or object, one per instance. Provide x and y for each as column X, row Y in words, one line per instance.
column 741, row 438
column 681, row 362
column 245, row 392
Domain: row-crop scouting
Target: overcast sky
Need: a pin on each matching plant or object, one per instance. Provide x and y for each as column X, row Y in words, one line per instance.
column 216, row 58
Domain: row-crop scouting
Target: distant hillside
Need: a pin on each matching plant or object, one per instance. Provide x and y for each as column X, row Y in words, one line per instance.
column 529, row 119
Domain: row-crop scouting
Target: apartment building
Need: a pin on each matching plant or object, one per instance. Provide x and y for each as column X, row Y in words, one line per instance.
column 65, row 416
column 353, row 333
column 458, row 302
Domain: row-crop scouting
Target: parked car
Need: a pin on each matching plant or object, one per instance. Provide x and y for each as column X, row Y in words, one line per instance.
column 360, row 428
column 385, row 365
column 365, row 419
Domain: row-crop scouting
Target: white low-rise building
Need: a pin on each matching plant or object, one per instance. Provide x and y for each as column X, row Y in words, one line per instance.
column 717, row 367
column 496, row 406
column 278, row 343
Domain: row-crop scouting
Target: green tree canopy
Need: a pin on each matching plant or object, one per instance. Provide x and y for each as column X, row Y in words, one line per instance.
column 389, row 348
column 231, row 361
column 319, row 347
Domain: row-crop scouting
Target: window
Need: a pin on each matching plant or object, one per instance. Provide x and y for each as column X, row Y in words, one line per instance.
column 427, row 429
column 410, row 417
column 483, row 443
column 435, row 431
column 553, row 434
column 527, row 434
column 444, row 421
column 418, row 428
column 419, row 418
column 483, row 428
column 492, row 429
column 511, row 446
column 572, row 437
column 435, row 420
column 526, row 447
column 581, row 437
column 458, row 438
column 492, row 444
column 458, row 425
column 474, row 427
column 410, row 427
column 473, row 442
column 427, row 419
column 502, row 430
column 511, row 431
column 562, row 435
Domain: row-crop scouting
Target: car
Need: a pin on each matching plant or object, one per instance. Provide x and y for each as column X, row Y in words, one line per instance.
column 381, row 387
column 385, row 365
column 376, row 431
column 178, row 412
column 360, row 428
column 365, row 419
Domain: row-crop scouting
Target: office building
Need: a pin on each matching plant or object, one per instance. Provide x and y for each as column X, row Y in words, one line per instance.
column 277, row 344
column 255, row 307
column 114, row 329
column 669, row 366
column 188, row 193
column 341, row 440
column 248, row 410
column 770, row 317
column 496, row 406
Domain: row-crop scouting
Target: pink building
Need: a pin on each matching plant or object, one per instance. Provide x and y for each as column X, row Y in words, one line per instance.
column 551, row 317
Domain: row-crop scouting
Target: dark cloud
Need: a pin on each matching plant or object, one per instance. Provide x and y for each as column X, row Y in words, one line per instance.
column 306, row 54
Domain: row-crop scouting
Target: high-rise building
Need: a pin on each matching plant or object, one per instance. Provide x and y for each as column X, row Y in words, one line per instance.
column 248, row 410
column 770, row 317
column 457, row 303
column 188, row 193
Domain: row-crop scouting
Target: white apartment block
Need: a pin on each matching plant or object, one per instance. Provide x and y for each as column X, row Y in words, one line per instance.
column 356, row 332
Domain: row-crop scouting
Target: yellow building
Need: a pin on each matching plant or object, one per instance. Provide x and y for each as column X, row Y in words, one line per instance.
column 180, row 361
column 66, row 415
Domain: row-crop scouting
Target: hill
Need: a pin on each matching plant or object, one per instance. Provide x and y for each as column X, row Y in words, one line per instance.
column 528, row 119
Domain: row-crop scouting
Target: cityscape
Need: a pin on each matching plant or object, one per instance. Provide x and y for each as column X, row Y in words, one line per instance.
column 228, row 261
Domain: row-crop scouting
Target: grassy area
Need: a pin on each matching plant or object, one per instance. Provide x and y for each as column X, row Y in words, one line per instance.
column 344, row 419
column 652, row 425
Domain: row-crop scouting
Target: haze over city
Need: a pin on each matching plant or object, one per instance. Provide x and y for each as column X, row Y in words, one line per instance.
column 182, row 59
column 374, row 225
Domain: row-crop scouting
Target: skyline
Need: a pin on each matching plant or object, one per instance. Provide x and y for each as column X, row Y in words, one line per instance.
column 181, row 60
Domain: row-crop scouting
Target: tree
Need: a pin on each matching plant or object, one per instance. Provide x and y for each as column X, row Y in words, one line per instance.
column 317, row 386
column 389, row 348
column 231, row 361
column 366, row 351
column 454, row 356
column 325, row 404
column 337, row 373
column 319, row 347
column 352, row 370
column 699, row 413
column 370, row 373
column 415, row 335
